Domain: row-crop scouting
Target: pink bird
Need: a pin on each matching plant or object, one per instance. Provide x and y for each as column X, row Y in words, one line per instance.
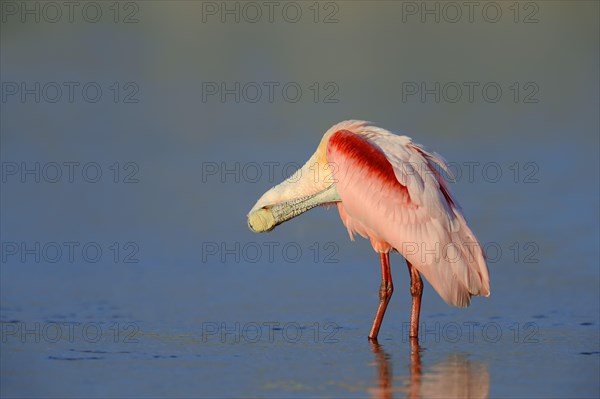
column 387, row 189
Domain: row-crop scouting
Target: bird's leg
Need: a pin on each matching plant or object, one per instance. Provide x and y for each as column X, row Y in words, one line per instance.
column 416, row 290
column 385, row 293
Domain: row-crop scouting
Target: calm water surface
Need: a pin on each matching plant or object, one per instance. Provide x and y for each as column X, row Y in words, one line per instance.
column 146, row 282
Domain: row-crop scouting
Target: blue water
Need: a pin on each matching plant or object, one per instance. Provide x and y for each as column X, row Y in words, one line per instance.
column 127, row 268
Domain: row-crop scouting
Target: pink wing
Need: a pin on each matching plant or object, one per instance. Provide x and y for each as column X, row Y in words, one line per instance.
column 392, row 194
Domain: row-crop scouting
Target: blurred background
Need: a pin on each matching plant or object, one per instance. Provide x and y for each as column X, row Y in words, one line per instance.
column 136, row 136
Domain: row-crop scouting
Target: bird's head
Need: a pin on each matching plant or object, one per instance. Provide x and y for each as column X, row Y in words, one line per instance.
column 310, row 186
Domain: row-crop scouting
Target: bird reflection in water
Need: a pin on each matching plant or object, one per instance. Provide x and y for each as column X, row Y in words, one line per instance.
column 453, row 377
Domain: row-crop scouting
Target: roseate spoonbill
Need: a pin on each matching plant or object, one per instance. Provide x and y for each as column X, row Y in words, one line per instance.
column 387, row 189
